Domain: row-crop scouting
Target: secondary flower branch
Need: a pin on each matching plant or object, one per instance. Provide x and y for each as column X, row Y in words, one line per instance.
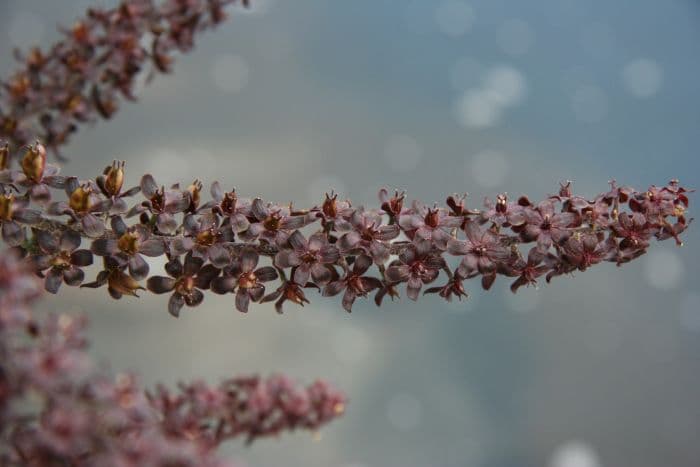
column 85, row 74
column 56, row 408
column 258, row 251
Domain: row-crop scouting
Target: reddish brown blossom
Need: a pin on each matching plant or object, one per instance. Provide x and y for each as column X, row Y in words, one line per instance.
column 417, row 265
column 355, row 284
column 185, row 282
column 248, row 282
column 62, row 258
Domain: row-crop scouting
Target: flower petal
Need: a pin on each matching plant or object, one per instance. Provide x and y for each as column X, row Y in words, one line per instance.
column 320, row 273
column 216, row 192
column 399, row 273
column 174, row 267
column 361, row 265
column 388, row 232
column 175, row 304
column 81, row 258
column 195, row 298
column 329, row 254
column 223, row 285
column 73, row 276
column 413, row 288
column 293, row 222
column 239, row 223
column 166, row 223
column 206, row 275
column 256, row 293
column 192, row 265
column 249, row 259
column 266, row 274
column 219, row 256
column 70, row 240
column 457, row 247
column 333, row 288
column 297, row 241
column 349, row 241
column 27, row 216
column 302, row 273
column 287, row 259
column 53, row 281
column 92, row 226
column 348, row 299
column 104, row 246
column 160, row 284
column 118, row 225
column 12, row 233
column 138, row 267
column 152, row 247
column 148, row 186
column 259, row 209
column 47, row 241
column 242, row 301
column 181, row 245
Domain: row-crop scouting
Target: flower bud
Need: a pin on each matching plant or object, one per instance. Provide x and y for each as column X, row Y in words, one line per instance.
column 228, row 204
column 19, row 85
column 294, row 294
column 35, row 59
column 565, row 189
column 194, row 190
column 6, row 205
column 206, row 237
column 80, row 199
column 502, row 203
column 113, row 178
column 34, row 162
column 393, row 205
column 330, row 207
column 80, row 32
column 4, row 157
column 123, row 283
column 432, row 218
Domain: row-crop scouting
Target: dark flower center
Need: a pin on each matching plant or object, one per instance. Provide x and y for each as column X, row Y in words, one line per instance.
column 247, row 280
column 185, row 285
column 273, row 221
column 355, row 283
column 207, row 237
column 129, row 243
column 309, row 257
column 418, row 268
column 368, row 233
column 479, row 250
column 546, row 223
column 61, row 260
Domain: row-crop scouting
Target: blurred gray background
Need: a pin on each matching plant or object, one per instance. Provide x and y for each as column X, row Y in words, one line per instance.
column 293, row 99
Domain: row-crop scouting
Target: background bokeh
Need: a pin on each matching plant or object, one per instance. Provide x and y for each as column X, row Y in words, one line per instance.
column 293, row 99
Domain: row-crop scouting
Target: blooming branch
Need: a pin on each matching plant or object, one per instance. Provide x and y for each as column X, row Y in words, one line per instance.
column 238, row 246
column 57, row 409
column 85, row 74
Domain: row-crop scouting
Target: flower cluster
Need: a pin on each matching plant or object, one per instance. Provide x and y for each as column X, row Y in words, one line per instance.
column 57, row 408
column 334, row 247
column 85, row 75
